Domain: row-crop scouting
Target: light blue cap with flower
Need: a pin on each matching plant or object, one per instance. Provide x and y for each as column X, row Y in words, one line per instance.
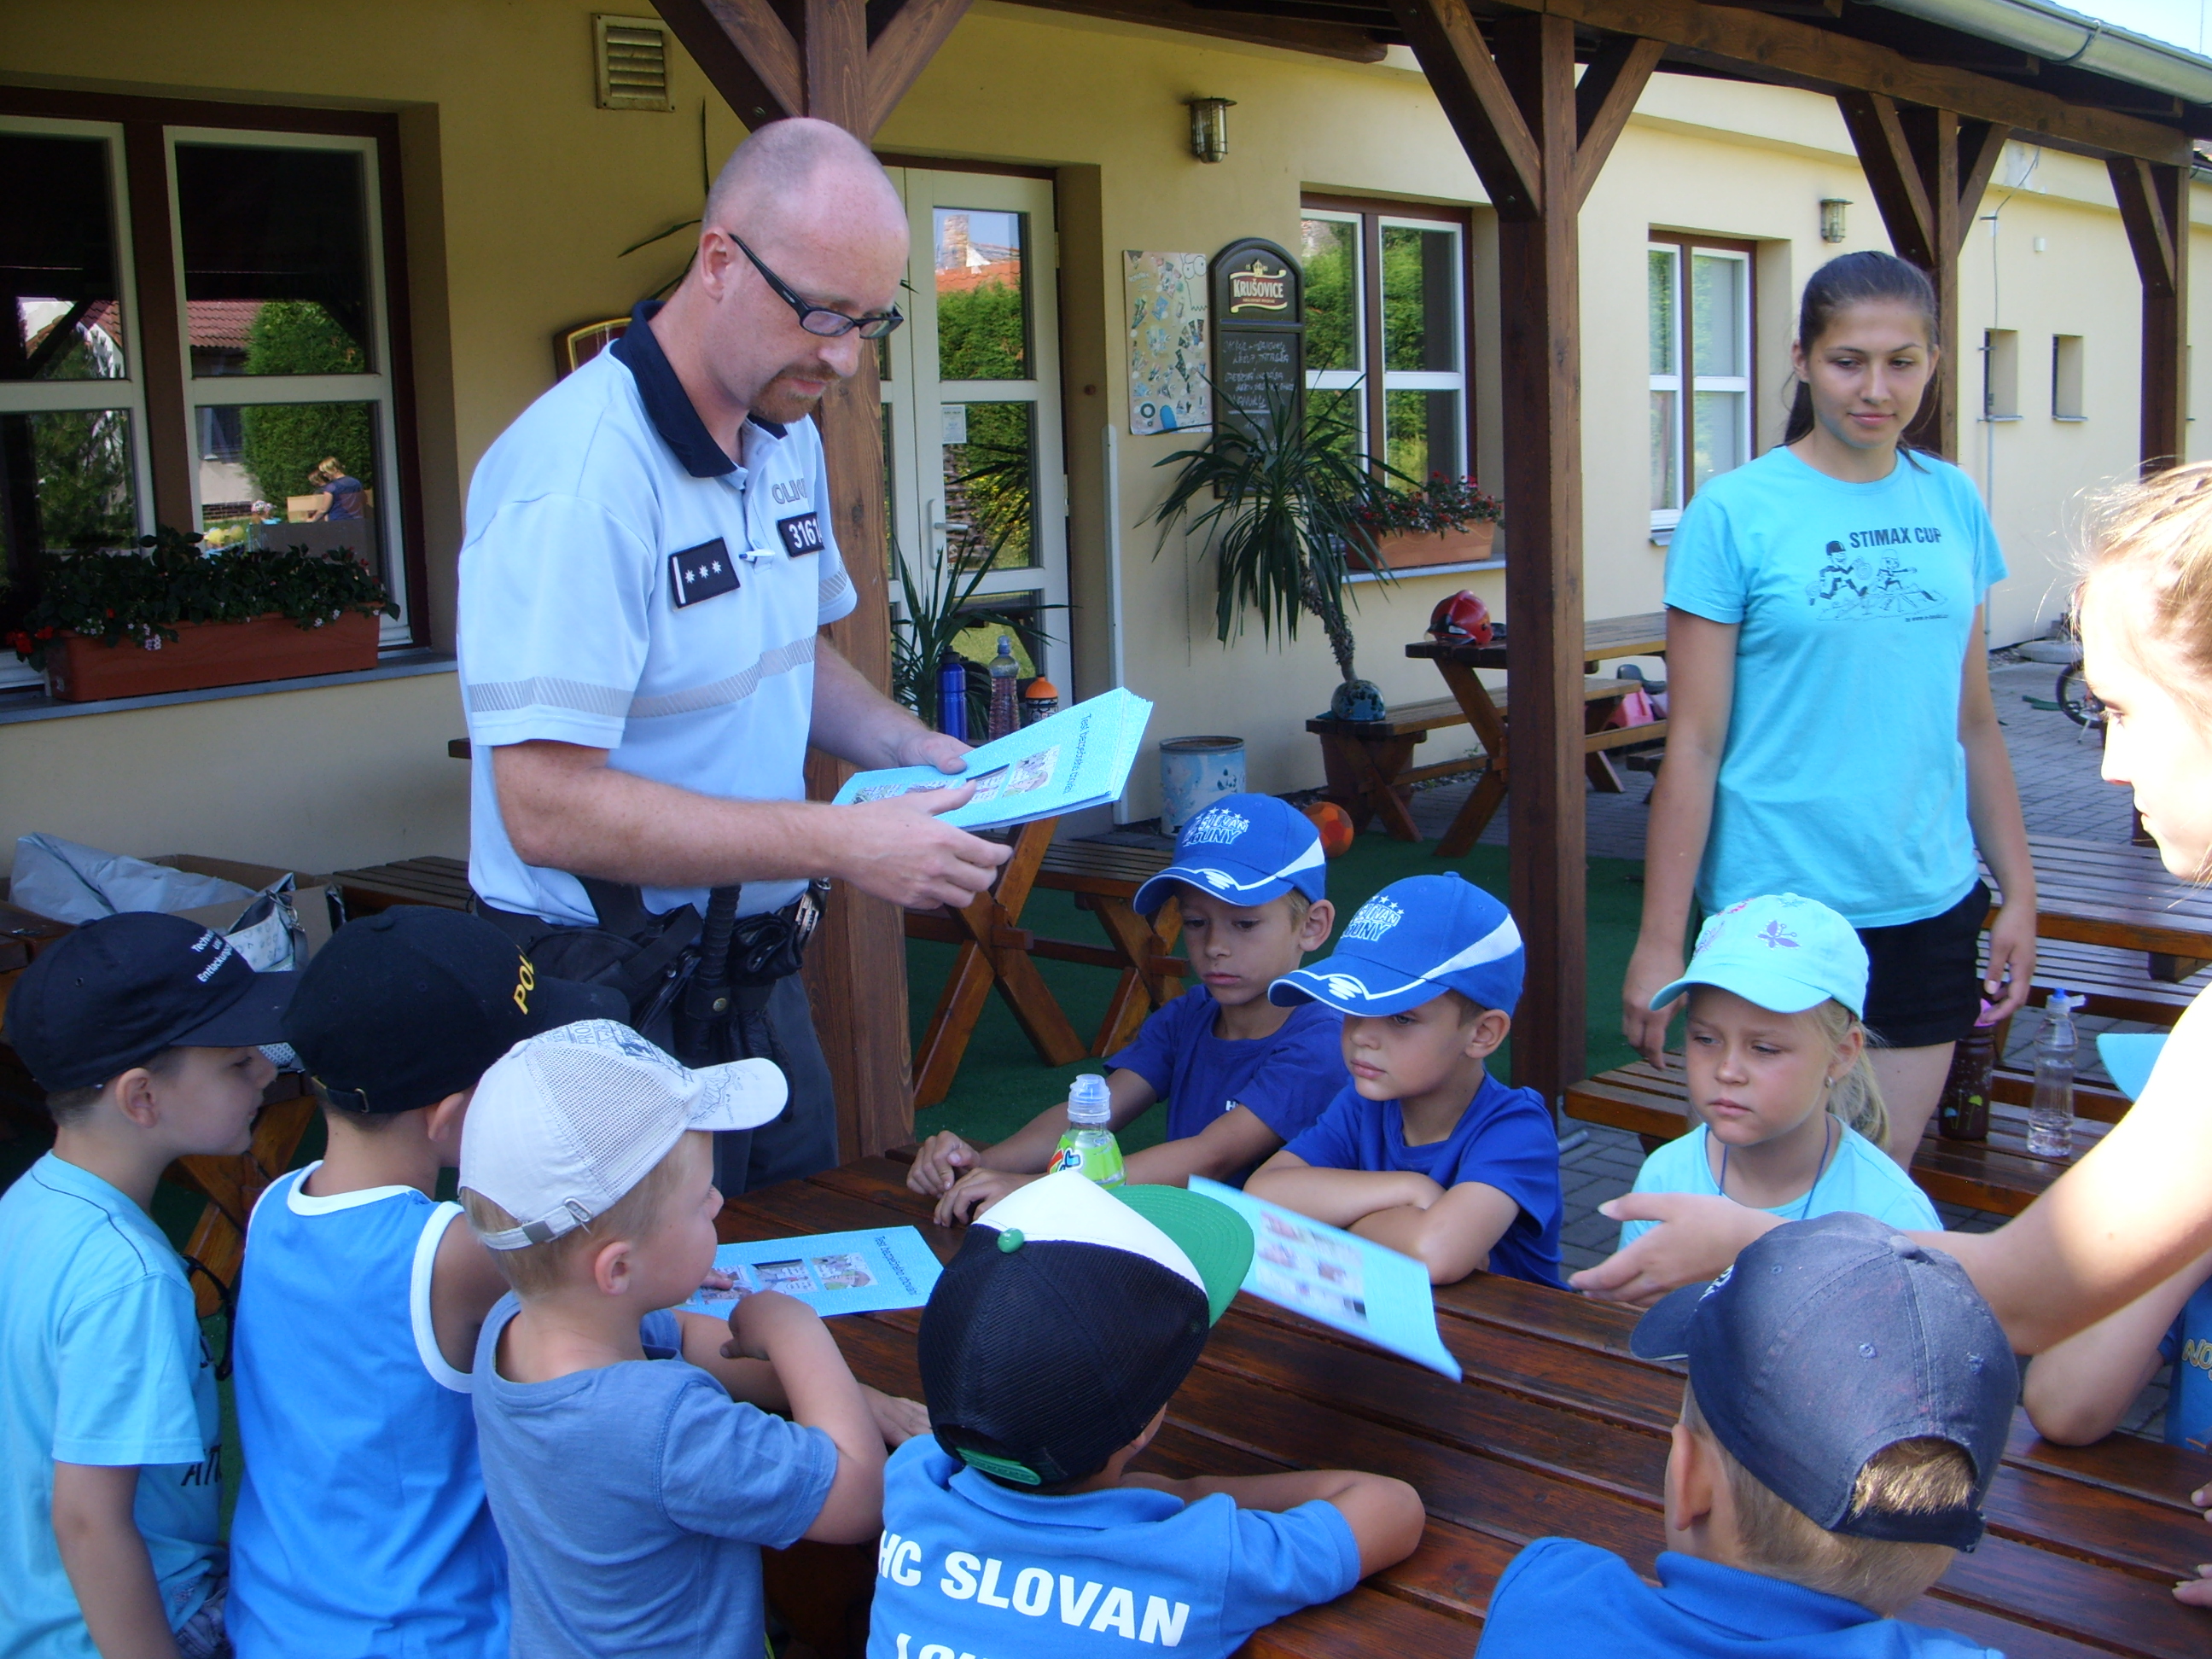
column 1780, row 953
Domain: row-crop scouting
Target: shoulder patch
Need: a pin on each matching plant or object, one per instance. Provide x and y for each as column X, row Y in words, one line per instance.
column 700, row 573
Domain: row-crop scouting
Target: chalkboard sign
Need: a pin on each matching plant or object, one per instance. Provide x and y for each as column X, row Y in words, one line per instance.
column 1258, row 295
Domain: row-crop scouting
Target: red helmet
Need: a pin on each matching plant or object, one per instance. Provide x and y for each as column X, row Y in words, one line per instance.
column 1462, row 617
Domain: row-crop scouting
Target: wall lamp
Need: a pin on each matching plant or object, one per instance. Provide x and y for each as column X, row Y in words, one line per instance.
column 1209, row 127
column 1831, row 217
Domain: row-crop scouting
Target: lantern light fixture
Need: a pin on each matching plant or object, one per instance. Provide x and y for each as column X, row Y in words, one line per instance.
column 1831, row 217
column 1209, row 127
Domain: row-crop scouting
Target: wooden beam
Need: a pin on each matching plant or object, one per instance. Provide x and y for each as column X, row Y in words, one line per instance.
column 1291, row 34
column 747, row 53
column 1604, row 99
column 1980, row 145
column 903, row 51
column 1467, row 83
column 2153, row 204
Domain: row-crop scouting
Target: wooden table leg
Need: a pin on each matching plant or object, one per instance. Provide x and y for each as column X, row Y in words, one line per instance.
column 1378, row 764
column 1597, row 765
column 1489, row 793
column 1140, row 989
column 1474, row 816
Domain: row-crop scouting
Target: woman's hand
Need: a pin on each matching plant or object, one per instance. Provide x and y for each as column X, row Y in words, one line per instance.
column 1654, row 967
column 1698, row 1237
column 2012, row 960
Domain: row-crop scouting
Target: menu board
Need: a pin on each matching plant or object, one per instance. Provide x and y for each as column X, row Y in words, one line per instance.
column 1258, row 294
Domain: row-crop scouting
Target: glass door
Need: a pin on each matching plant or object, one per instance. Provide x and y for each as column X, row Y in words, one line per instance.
column 972, row 445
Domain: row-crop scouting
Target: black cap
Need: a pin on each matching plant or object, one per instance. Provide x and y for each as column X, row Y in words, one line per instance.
column 1829, row 1341
column 118, row 991
column 403, row 1008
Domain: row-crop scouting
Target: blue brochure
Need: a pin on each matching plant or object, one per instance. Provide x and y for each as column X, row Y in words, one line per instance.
column 1347, row 1283
column 830, row 1273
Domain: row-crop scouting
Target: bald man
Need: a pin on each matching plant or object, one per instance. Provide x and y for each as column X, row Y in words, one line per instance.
column 648, row 565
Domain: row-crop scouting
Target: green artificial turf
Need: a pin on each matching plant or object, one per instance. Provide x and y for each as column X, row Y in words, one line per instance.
column 1002, row 1084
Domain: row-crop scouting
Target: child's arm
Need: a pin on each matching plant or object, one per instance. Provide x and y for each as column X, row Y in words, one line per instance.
column 2078, row 1391
column 755, row 1382
column 1385, row 1515
column 464, row 1281
column 105, row 1556
column 788, row 1335
column 1452, row 1236
column 977, row 1179
column 1235, row 1140
column 1342, row 1198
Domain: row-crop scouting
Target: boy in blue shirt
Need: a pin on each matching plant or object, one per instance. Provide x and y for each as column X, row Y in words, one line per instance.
column 146, row 1031
column 1048, row 1350
column 1849, row 1397
column 1426, row 1151
column 1240, row 1074
column 362, row 1511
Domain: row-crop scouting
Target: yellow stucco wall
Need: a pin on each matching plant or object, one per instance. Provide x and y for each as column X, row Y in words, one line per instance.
column 522, row 193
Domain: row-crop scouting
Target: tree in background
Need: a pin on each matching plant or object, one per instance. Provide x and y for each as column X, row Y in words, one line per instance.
column 284, row 442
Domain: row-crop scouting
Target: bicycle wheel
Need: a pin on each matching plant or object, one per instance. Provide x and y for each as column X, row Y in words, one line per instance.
column 2078, row 701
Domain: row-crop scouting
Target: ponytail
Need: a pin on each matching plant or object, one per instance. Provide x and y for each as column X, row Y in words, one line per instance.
column 1848, row 280
column 1857, row 1096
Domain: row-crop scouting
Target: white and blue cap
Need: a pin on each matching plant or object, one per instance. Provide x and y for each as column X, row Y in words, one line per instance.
column 1410, row 943
column 1779, row 952
column 1243, row 849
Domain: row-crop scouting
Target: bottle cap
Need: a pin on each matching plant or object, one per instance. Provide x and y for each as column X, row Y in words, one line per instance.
column 1089, row 1099
column 1987, row 1017
column 1042, row 687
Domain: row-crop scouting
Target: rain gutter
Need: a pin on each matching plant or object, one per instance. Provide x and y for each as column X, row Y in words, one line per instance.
column 2062, row 37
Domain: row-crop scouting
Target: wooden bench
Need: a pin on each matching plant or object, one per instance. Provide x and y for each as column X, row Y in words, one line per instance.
column 438, row 881
column 1996, row 1175
column 2116, row 983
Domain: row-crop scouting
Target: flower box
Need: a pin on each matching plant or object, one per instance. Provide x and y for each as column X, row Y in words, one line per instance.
column 271, row 647
column 1413, row 549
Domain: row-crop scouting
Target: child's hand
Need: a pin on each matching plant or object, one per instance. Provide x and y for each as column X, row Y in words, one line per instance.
column 975, row 1192
column 760, row 1319
column 716, row 1280
column 943, row 1159
column 899, row 1419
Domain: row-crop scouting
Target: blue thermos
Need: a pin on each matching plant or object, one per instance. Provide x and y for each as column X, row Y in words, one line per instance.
column 952, row 695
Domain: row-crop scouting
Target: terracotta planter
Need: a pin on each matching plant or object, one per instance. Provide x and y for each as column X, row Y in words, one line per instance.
column 1413, row 550
column 79, row 670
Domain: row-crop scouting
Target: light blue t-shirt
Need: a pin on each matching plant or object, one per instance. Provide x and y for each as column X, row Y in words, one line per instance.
column 634, row 1500
column 967, row 1566
column 101, row 1362
column 1844, row 778
column 1860, row 1178
column 1562, row 1596
column 362, row 1528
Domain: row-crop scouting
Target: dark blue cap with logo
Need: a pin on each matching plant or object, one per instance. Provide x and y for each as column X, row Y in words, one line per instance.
column 120, row 990
column 1243, row 849
column 1410, row 943
column 1830, row 1340
column 405, row 1008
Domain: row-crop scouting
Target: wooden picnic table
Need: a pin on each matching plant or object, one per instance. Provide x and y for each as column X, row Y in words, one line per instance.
column 2115, row 894
column 1556, row 1429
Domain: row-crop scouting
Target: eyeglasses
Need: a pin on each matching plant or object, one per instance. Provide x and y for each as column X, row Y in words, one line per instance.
column 820, row 319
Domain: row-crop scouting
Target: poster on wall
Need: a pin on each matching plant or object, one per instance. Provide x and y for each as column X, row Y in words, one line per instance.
column 1166, row 294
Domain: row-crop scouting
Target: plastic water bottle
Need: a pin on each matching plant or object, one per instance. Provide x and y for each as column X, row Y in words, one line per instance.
column 2050, row 1114
column 952, row 695
column 1089, row 1146
column 1006, row 691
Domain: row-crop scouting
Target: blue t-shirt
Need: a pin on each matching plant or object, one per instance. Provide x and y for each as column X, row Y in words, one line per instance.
column 2188, row 1349
column 635, row 1499
column 1859, row 1177
column 1504, row 1140
column 967, row 1566
column 361, row 1527
column 1286, row 1080
column 1560, row 1595
column 1844, row 778
column 101, row 1363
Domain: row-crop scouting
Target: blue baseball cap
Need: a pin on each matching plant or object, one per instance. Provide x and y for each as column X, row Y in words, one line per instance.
column 1244, row 849
column 1830, row 1340
column 1780, row 953
column 1410, row 943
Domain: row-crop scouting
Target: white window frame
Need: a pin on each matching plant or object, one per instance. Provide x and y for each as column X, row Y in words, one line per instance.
column 1684, row 383
column 1348, row 380
column 1416, row 379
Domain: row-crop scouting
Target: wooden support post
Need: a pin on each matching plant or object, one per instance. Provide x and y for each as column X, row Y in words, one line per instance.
column 847, row 62
column 2155, row 206
column 1928, row 170
column 1539, row 145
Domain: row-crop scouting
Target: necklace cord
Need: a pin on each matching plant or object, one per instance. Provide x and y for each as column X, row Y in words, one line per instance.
column 1827, row 1146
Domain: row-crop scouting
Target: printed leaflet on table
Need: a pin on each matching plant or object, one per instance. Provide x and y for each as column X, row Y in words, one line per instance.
column 1077, row 758
column 830, row 1273
column 1347, row 1283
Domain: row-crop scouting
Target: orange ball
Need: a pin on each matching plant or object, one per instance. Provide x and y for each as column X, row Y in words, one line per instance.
column 1335, row 824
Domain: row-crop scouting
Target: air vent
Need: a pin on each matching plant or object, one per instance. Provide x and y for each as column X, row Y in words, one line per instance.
column 631, row 57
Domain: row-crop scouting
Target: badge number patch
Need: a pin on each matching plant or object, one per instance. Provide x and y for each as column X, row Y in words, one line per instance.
column 700, row 573
column 801, row 534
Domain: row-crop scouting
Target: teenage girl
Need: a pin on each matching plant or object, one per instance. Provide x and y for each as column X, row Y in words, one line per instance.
column 1790, row 1116
column 1830, row 728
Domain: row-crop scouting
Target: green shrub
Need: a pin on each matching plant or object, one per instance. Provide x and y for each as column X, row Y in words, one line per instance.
column 284, row 442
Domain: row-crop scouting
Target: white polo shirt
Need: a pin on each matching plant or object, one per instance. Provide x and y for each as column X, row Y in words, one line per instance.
column 625, row 586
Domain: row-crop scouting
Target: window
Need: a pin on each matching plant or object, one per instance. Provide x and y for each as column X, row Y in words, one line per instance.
column 1698, row 294
column 2000, row 374
column 204, row 316
column 1386, row 289
column 2066, row 378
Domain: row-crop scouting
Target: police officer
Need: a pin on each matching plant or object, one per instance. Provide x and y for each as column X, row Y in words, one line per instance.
column 649, row 562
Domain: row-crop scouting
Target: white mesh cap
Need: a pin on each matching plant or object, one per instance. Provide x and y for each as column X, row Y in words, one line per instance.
column 566, row 1122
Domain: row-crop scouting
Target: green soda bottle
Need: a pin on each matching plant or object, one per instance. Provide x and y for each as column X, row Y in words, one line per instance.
column 1089, row 1146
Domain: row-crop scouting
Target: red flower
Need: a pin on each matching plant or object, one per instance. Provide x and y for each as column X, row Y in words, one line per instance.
column 45, row 633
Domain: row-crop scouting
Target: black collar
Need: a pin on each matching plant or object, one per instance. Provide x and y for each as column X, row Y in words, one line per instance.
column 666, row 404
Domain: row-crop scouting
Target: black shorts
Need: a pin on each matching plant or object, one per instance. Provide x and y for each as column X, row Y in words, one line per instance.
column 1924, row 978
